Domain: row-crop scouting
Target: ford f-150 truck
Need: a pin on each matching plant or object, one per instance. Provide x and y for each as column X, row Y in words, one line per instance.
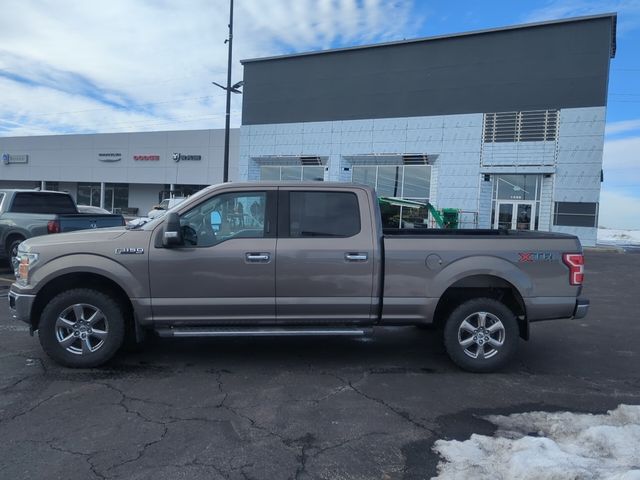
column 292, row 259
column 29, row 213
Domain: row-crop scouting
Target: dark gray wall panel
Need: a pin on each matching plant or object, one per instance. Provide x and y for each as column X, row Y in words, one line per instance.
column 548, row 66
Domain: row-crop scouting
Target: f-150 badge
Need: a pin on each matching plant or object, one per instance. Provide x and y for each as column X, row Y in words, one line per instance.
column 130, row 251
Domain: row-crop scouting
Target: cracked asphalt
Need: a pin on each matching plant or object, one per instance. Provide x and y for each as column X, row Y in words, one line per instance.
column 302, row 408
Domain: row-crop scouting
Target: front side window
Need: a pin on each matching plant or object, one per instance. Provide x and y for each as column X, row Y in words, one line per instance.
column 223, row 217
column 323, row 214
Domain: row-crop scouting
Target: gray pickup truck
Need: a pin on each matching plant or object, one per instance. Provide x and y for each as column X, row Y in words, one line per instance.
column 292, row 259
column 30, row 213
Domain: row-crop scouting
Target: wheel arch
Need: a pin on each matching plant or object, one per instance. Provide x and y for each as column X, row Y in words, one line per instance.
column 86, row 280
column 483, row 286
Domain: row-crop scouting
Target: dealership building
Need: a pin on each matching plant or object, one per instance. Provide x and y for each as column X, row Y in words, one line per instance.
column 506, row 126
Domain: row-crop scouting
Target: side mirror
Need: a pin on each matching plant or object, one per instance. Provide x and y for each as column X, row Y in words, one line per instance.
column 172, row 234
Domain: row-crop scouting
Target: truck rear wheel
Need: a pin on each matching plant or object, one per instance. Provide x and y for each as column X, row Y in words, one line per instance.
column 81, row 328
column 481, row 335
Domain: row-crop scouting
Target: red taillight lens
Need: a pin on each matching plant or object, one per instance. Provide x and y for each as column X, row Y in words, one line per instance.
column 53, row 226
column 575, row 262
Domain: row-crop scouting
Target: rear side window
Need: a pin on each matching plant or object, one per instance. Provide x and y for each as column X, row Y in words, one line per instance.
column 40, row 202
column 323, row 214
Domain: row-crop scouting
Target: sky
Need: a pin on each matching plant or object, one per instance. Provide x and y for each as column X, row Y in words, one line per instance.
column 144, row 65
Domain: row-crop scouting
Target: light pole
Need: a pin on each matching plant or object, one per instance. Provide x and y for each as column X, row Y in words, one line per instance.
column 229, row 89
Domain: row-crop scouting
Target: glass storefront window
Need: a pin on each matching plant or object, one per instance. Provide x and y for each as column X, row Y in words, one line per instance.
column 116, row 195
column 410, row 182
column 292, row 173
column 517, row 187
column 405, row 181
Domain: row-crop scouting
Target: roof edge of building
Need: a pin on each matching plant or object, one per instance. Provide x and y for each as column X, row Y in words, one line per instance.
column 612, row 15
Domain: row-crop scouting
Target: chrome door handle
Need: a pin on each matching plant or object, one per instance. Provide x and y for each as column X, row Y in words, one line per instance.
column 258, row 257
column 356, row 257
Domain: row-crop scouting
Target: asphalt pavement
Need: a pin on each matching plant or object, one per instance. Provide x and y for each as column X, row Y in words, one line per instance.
column 334, row 408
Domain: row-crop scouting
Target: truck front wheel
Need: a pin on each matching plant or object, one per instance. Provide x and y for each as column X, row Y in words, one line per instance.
column 481, row 335
column 81, row 328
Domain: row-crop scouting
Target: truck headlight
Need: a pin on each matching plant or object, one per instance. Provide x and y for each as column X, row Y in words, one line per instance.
column 26, row 260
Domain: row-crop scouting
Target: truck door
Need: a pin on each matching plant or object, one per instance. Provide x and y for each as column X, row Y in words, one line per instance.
column 224, row 273
column 325, row 256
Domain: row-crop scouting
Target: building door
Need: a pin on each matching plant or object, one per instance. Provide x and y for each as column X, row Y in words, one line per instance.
column 515, row 215
column 108, row 197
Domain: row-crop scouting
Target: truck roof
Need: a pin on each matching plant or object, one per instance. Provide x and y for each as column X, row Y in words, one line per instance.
column 16, row 190
column 294, row 183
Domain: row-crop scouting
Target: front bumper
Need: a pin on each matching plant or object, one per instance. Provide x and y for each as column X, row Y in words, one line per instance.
column 20, row 306
column 582, row 307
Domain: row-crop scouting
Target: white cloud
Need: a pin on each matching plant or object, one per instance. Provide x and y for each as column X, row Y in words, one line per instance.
column 621, row 157
column 122, row 65
column 619, row 210
column 624, row 126
column 620, row 197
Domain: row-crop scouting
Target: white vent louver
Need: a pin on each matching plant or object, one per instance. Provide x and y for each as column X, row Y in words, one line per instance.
column 530, row 126
column 310, row 161
column 415, row 160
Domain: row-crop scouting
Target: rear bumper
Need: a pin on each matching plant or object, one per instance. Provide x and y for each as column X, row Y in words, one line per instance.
column 582, row 307
column 554, row 308
column 20, row 306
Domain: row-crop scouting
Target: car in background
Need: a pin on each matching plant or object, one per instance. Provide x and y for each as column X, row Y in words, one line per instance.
column 164, row 205
column 31, row 213
column 88, row 209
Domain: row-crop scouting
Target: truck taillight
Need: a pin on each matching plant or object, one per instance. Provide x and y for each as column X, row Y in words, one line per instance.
column 575, row 262
column 53, row 226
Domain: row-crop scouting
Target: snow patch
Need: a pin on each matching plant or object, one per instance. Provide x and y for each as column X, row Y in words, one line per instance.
column 548, row 446
column 608, row 236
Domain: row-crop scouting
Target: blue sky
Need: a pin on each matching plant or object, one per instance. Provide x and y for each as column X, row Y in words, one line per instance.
column 141, row 65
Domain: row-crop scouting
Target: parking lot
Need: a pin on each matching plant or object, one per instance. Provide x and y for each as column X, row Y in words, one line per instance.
column 303, row 408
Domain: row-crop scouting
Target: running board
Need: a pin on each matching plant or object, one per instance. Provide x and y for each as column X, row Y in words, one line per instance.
column 259, row 332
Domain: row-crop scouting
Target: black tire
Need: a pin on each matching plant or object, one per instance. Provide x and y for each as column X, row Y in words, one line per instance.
column 12, row 250
column 112, row 329
column 491, row 353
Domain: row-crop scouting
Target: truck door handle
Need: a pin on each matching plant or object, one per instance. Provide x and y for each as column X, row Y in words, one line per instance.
column 258, row 257
column 356, row 257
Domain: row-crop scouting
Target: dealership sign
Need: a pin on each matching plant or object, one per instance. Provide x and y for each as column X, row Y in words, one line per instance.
column 177, row 157
column 147, row 158
column 110, row 157
column 8, row 158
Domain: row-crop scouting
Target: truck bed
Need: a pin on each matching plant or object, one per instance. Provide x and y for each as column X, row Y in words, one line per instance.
column 469, row 232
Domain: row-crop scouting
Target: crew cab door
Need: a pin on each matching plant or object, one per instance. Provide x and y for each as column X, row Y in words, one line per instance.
column 224, row 272
column 325, row 256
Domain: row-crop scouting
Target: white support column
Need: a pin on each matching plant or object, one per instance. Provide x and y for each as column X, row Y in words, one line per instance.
column 101, row 194
column 172, row 187
column 43, row 185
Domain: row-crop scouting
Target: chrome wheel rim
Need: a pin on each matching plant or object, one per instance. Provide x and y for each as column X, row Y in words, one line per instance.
column 481, row 335
column 14, row 257
column 82, row 329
